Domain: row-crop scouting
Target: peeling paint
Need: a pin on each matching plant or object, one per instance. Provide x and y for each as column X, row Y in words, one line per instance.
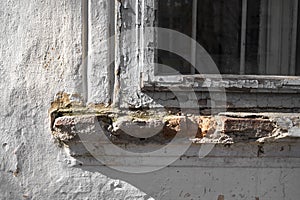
column 224, row 128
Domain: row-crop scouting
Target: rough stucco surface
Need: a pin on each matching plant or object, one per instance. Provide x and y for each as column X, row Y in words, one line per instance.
column 41, row 54
column 100, row 70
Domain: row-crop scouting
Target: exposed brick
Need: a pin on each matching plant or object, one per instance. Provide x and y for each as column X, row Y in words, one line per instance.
column 247, row 128
column 206, row 126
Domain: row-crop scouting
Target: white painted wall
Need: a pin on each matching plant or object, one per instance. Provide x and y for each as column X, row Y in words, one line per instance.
column 41, row 54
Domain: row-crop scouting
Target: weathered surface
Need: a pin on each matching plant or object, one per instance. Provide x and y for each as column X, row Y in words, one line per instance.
column 100, row 52
column 41, row 54
column 265, row 161
column 224, row 128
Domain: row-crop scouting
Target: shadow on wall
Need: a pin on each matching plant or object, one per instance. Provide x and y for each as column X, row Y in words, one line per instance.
column 245, row 175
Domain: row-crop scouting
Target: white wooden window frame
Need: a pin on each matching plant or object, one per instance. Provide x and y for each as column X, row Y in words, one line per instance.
column 253, row 83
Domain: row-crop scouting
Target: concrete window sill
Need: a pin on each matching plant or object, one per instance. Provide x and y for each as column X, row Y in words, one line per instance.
column 224, row 128
column 240, row 139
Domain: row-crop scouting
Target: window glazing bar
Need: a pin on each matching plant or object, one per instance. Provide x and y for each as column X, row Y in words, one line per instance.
column 194, row 36
column 243, row 36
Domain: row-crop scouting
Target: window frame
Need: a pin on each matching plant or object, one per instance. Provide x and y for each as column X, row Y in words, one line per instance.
column 200, row 82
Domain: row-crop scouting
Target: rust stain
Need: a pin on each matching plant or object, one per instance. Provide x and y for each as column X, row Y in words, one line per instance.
column 61, row 101
column 206, row 126
column 221, row 197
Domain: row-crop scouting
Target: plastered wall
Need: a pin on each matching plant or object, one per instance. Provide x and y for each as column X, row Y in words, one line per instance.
column 43, row 51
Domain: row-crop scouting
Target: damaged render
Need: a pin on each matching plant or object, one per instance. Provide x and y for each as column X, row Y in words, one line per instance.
column 224, row 128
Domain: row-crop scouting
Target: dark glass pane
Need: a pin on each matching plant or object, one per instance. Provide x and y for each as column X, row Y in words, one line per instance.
column 175, row 15
column 269, row 36
column 219, row 30
column 173, row 61
column 298, row 45
column 252, row 37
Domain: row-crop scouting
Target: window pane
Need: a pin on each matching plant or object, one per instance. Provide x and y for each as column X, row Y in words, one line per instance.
column 298, row 45
column 269, row 31
column 252, row 36
column 218, row 31
column 175, row 15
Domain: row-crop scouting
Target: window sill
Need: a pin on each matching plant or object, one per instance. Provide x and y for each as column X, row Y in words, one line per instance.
column 223, row 128
column 239, row 139
column 232, row 83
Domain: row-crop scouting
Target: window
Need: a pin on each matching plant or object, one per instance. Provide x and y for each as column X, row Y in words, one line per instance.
column 243, row 37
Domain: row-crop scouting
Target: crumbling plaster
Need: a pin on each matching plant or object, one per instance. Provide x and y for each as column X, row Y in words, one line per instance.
column 42, row 53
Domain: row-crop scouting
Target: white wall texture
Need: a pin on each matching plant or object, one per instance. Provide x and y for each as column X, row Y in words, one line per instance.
column 41, row 54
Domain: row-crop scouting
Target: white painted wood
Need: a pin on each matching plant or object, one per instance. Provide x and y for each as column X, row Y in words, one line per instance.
column 243, row 37
column 194, row 36
column 99, row 52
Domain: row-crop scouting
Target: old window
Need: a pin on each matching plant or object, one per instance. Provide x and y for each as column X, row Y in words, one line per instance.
column 242, row 36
